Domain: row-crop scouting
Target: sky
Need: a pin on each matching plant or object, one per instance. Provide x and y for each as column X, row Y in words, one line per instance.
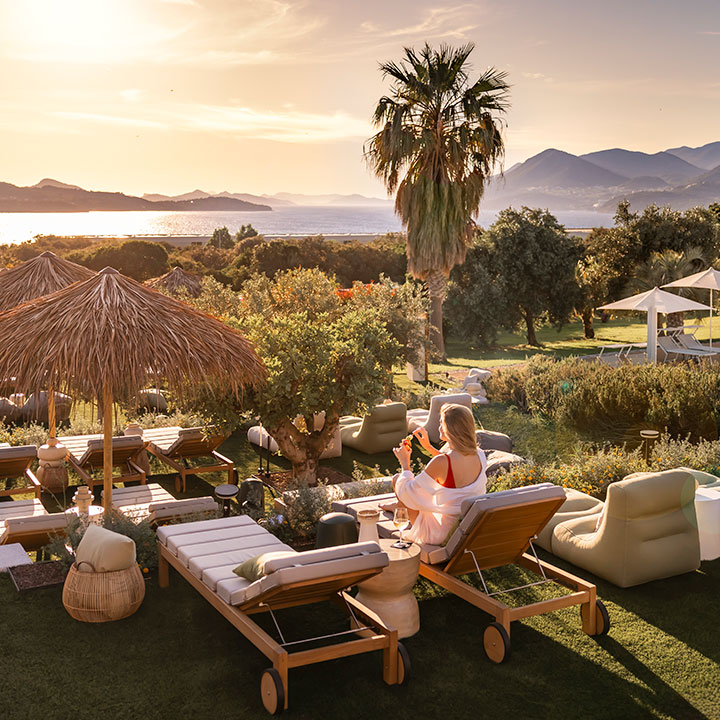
column 265, row 96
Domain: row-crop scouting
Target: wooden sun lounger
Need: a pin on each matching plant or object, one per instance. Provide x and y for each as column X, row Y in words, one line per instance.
column 85, row 456
column 205, row 552
column 498, row 529
column 16, row 461
column 153, row 503
column 175, row 446
column 28, row 522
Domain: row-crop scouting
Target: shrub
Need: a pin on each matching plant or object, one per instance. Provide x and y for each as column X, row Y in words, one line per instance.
column 138, row 259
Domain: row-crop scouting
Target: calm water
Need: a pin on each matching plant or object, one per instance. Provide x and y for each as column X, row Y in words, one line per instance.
column 18, row 227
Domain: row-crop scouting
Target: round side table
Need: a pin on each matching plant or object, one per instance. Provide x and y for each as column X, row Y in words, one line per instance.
column 94, row 513
column 707, row 511
column 225, row 493
column 390, row 594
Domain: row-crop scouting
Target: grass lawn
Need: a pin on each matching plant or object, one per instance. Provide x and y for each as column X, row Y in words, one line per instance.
column 177, row 657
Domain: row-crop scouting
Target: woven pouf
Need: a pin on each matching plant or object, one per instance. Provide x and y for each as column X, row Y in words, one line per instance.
column 103, row 597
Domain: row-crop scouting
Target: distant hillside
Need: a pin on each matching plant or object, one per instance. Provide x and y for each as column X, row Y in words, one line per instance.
column 54, row 196
column 201, row 194
column 49, row 182
column 631, row 164
column 331, row 199
column 707, row 156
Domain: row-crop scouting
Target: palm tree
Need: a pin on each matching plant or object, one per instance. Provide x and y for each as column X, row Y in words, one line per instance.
column 665, row 267
column 438, row 140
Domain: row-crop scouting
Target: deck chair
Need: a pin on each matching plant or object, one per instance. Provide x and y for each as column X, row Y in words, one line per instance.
column 175, row 446
column 690, row 342
column 27, row 522
column 153, row 503
column 14, row 462
column 673, row 350
column 206, row 552
column 85, row 456
column 497, row 529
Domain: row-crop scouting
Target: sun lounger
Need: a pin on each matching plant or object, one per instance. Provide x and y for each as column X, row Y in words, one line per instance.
column 152, row 502
column 206, row 552
column 175, row 446
column 498, row 529
column 673, row 350
column 690, row 342
column 85, row 456
column 14, row 462
column 27, row 522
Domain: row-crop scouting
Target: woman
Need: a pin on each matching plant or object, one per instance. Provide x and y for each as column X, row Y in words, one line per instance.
column 434, row 497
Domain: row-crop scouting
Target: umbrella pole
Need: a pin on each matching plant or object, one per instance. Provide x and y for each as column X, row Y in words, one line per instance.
column 711, row 309
column 107, row 447
column 652, row 334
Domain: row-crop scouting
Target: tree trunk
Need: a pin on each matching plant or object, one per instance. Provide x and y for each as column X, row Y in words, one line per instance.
column 305, row 472
column 587, row 318
column 437, row 289
column 531, row 338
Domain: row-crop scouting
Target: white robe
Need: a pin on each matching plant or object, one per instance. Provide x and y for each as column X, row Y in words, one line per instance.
column 438, row 507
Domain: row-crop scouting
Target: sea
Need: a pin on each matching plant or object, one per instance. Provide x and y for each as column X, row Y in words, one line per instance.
column 287, row 221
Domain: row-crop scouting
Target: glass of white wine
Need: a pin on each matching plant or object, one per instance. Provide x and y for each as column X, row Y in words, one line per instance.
column 401, row 520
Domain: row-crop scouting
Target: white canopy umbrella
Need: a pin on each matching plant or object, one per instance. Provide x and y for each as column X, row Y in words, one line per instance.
column 653, row 302
column 709, row 279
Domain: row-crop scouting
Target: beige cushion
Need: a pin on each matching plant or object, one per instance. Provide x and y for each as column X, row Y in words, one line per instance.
column 576, row 505
column 379, row 431
column 704, row 479
column 430, row 419
column 254, row 568
column 18, row 451
column 648, row 531
column 122, row 442
column 46, row 523
column 102, row 550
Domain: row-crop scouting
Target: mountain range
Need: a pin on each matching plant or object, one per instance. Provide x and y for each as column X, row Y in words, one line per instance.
column 680, row 177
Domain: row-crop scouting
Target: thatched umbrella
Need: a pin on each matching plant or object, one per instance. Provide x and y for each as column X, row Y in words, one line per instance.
column 103, row 338
column 177, row 280
column 39, row 276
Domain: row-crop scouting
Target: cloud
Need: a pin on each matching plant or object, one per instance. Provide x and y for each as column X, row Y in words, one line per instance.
column 709, row 32
column 537, row 76
column 437, row 23
column 131, row 94
column 109, row 119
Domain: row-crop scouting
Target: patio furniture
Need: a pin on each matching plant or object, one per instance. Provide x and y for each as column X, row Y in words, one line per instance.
column 104, row 583
column 492, row 440
column 690, row 342
column 176, row 446
column 672, row 350
column 12, row 555
column 430, row 419
column 379, row 431
column 16, row 461
column 497, row 529
column 335, row 528
column 28, row 522
column 225, row 493
column 498, row 460
column 153, row 503
column 205, row 554
column 707, row 509
column 577, row 505
column 260, row 438
column 390, row 594
column 85, row 456
column 647, row 531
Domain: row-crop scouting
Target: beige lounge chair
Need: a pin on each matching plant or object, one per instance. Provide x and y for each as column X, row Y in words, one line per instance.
column 648, row 531
column 206, row 552
column 380, row 431
column 498, row 529
column 690, row 342
column 577, row 505
column 16, row 461
column 152, row 502
column 672, row 350
column 430, row 419
column 85, row 456
column 27, row 522
column 175, row 446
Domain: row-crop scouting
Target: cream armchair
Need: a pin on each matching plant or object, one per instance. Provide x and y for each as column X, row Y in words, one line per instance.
column 430, row 419
column 380, row 431
column 647, row 531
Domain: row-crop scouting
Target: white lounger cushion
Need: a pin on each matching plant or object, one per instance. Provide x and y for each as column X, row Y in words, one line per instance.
column 20, row 508
column 121, row 442
column 211, row 549
column 50, row 522
column 154, row 501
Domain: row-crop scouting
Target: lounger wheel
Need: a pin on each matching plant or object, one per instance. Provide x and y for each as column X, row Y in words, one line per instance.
column 272, row 691
column 602, row 618
column 404, row 666
column 497, row 642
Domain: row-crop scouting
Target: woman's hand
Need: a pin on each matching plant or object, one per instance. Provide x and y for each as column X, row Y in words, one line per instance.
column 423, row 438
column 403, row 455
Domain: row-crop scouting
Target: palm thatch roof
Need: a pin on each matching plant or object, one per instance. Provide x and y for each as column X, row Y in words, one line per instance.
column 39, row 276
column 177, row 280
column 111, row 334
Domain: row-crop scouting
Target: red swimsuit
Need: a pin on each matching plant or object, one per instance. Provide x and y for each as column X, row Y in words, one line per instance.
column 449, row 481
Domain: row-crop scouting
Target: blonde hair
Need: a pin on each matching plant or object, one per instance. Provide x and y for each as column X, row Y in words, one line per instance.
column 460, row 428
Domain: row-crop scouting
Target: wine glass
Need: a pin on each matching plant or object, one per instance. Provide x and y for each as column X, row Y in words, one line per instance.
column 401, row 521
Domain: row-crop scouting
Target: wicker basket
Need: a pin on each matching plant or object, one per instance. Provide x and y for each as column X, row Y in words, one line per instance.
column 103, row 597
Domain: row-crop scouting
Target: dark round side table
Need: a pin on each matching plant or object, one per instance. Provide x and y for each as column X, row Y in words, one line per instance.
column 336, row 528
column 225, row 493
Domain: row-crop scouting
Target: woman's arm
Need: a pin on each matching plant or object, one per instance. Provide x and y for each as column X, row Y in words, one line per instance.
column 424, row 439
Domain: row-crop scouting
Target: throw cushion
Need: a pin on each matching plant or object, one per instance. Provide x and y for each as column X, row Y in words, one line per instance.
column 102, row 550
column 254, row 568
